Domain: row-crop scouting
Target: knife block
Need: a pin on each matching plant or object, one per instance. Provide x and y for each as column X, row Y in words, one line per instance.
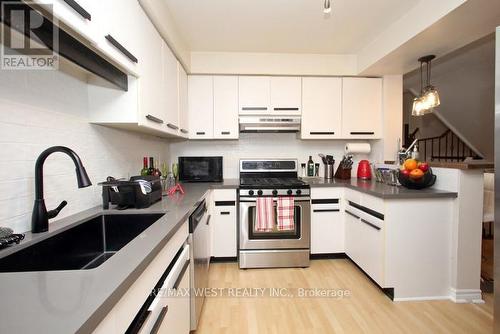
column 343, row 173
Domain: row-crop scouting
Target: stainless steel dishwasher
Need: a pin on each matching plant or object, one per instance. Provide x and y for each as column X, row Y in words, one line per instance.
column 199, row 238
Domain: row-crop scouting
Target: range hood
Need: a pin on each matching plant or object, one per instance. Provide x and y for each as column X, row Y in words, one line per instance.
column 269, row 123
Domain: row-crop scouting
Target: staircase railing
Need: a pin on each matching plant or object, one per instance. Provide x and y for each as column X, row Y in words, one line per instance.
column 446, row 147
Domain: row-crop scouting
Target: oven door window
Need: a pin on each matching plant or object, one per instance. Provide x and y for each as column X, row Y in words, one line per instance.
column 275, row 234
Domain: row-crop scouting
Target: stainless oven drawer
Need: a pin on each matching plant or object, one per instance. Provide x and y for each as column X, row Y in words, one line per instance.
column 274, row 258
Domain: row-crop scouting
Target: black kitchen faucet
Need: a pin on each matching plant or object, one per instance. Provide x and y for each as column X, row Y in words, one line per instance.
column 40, row 217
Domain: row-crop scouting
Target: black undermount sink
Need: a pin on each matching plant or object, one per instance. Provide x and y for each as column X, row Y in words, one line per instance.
column 85, row 246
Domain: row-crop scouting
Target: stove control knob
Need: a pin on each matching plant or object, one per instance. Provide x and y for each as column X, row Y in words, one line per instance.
column 275, row 192
column 259, row 192
column 250, row 192
column 298, row 192
column 289, row 191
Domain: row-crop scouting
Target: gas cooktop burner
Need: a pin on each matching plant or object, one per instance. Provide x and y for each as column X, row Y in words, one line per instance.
column 271, row 182
column 271, row 178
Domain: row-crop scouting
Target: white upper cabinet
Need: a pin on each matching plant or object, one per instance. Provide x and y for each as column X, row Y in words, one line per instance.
column 183, row 101
column 80, row 15
column 201, row 106
column 261, row 95
column 122, row 27
column 226, row 107
column 254, row 95
column 142, row 105
column 170, row 90
column 151, row 88
column 321, row 108
column 362, row 108
column 286, row 95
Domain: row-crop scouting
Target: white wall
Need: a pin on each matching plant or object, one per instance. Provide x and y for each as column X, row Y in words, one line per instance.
column 272, row 63
column 39, row 109
column 264, row 145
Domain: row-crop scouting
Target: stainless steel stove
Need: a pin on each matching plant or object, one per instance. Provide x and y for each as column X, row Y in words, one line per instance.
column 273, row 178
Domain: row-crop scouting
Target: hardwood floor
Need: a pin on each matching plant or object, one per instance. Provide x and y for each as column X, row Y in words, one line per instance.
column 367, row 310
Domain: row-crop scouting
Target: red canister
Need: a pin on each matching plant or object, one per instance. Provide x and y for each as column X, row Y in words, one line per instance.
column 364, row 170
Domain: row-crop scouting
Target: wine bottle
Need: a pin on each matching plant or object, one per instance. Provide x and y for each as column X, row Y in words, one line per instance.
column 151, row 166
column 145, row 170
column 310, row 167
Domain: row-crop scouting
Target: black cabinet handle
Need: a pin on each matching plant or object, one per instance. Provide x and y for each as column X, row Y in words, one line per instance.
column 370, row 224
column 208, row 219
column 172, row 126
column 325, row 201
column 225, row 203
column 184, row 131
column 225, row 133
column 121, row 48
column 79, row 9
column 254, row 108
column 369, row 211
column 352, row 214
column 154, row 119
column 225, row 213
column 284, row 109
column 181, row 275
column 161, row 316
column 200, row 133
column 362, row 133
column 326, row 210
column 319, row 133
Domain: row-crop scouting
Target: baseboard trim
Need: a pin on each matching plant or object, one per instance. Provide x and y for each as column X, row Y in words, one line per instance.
column 417, row 299
column 214, row 259
column 327, row 256
column 466, row 296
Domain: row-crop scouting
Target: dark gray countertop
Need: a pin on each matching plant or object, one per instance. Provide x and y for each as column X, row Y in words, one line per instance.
column 380, row 190
column 76, row 301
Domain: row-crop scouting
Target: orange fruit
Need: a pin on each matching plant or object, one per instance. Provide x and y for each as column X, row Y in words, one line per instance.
column 416, row 174
column 410, row 164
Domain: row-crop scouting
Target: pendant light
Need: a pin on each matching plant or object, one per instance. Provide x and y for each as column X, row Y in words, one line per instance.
column 327, row 7
column 429, row 96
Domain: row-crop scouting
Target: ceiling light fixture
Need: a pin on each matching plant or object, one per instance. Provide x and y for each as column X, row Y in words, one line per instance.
column 429, row 96
column 327, row 7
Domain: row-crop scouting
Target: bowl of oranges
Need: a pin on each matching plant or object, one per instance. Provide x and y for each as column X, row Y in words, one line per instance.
column 416, row 175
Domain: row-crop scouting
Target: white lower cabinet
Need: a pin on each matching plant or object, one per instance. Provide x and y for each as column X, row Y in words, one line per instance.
column 174, row 315
column 327, row 223
column 125, row 310
column 364, row 237
column 352, row 237
column 224, row 241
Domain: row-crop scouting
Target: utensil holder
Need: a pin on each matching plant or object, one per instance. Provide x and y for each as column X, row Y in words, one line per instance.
column 328, row 171
column 343, row 173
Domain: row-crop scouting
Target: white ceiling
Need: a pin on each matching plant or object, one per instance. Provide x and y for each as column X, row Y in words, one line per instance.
column 283, row 26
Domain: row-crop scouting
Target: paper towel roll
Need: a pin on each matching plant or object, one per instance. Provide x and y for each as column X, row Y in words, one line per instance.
column 356, row 148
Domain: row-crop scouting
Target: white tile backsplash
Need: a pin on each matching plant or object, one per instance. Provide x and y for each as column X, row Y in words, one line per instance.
column 39, row 109
column 263, row 145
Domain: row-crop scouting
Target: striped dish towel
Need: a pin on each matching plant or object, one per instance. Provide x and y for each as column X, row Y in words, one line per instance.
column 265, row 214
column 286, row 211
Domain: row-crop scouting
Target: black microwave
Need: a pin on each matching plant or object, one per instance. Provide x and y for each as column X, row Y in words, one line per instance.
column 200, row 169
